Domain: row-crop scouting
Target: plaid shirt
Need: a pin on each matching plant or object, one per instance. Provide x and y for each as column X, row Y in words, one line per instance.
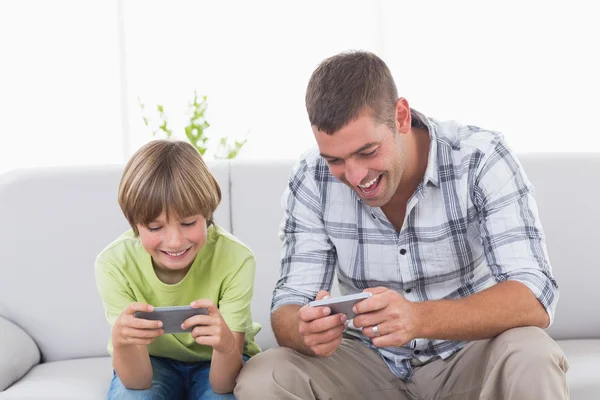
column 472, row 222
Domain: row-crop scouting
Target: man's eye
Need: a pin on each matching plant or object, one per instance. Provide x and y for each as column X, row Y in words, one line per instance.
column 369, row 154
column 188, row 223
column 334, row 161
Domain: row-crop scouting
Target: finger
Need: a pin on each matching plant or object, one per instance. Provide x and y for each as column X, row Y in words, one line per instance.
column 141, row 333
column 322, row 324
column 136, row 341
column 205, row 303
column 208, row 340
column 369, row 319
column 308, row 313
column 323, row 294
column 390, row 340
column 327, row 349
column 324, row 337
column 198, row 320
column 203, row 331
column 133, row 307
column 140, row 323
column 384, row 328
column 375, row 303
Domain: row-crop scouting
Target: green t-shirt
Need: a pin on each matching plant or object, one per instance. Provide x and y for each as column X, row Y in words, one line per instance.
column 222, row 271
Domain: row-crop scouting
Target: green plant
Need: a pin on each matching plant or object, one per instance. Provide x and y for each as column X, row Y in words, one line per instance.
column 195, row 129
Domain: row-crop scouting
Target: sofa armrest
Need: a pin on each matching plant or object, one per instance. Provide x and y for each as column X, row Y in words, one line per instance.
column 18, row 353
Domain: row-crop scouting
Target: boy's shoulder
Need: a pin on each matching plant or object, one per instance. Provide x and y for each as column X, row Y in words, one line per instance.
column 225, row 240
column 126, row 247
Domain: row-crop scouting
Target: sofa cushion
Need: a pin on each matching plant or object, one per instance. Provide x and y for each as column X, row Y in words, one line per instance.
column 18, row 353
column 584, row 367
column 87, row 378
column 57, row 220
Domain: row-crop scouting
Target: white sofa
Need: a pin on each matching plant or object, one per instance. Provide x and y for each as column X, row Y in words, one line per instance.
column 55, row 220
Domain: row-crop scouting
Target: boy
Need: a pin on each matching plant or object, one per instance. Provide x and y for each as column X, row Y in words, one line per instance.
column 175, row 255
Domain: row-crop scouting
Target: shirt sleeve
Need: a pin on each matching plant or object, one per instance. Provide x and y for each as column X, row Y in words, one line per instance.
column 235, row 302
column 308, row 256
column 511, row 232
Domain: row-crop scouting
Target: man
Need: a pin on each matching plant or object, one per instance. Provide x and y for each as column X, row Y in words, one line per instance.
column 435, row 219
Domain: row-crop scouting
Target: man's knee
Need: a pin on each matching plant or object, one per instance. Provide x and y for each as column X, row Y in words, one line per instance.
column 278, row 366
column 528, row 345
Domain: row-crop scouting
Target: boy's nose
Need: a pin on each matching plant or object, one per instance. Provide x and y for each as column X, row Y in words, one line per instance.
column 174, row 240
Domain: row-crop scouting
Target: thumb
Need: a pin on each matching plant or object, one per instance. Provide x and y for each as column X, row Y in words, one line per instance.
column 376, row 290
column 323, row 294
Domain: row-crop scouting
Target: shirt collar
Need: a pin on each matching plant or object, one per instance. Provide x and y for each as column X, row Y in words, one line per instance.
column 432, row 172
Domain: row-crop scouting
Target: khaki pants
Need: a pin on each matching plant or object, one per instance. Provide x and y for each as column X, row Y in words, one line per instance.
column 521, row 363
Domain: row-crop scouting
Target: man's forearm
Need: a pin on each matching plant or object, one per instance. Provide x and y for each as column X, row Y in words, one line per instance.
column 284, row 322
column 483, row 315
column 133, row 367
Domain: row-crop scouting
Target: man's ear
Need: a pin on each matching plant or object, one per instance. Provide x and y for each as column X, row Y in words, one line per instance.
column 403, row 118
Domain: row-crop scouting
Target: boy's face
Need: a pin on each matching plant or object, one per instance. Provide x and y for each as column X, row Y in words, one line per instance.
column 174, row 242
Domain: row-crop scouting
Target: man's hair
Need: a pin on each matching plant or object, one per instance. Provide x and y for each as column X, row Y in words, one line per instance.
column 344, row 85
column 170, row 176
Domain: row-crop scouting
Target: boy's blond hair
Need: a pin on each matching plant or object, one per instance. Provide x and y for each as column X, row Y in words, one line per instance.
column 167, row 175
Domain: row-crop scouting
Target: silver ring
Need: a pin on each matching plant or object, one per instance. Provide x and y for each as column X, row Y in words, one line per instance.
column 376, row 331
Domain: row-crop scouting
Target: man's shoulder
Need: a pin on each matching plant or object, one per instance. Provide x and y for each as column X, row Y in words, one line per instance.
column 460, row 142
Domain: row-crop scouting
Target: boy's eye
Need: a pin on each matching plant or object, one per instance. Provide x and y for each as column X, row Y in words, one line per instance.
column 154, row 229
column 188, row 223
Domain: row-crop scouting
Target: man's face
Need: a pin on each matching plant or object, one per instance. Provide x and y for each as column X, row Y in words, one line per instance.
column 173, row 243
column 367, row 156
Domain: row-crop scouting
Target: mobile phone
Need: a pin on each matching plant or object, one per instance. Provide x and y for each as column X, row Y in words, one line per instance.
column 342, row 304
column 171, row 317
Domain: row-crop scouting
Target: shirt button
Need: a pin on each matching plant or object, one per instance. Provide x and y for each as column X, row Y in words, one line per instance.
column 403, row 251
column 417, row 352
column 408, row 290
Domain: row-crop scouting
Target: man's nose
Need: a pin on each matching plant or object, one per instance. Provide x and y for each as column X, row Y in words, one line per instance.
column 355, row 173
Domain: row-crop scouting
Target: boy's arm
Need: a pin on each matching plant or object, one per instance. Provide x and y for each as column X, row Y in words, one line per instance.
column 225, row 366
column 132, row 365
column 130, row 362
column 235, row 309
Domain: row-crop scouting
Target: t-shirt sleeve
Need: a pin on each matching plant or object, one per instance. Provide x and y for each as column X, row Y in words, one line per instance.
column 236, row 297
column 113, row 288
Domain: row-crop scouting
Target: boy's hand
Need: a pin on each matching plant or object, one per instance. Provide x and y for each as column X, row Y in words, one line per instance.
column 129, row 330
column 210, row 330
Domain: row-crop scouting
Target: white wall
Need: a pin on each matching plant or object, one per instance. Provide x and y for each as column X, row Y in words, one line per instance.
column 527, row 68
column 59, row 83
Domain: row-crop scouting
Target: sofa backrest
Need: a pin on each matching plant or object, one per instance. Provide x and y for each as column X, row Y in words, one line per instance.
column 56, row 220
column 567, row 192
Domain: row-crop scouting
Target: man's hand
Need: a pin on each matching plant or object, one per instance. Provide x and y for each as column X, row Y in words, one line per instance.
column 321, row 332
column 397, row 319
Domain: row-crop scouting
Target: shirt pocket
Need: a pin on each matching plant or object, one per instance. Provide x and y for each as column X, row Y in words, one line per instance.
column 439, row 259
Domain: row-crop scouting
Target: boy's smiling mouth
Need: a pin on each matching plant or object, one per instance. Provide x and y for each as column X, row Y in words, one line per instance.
column 176, row 254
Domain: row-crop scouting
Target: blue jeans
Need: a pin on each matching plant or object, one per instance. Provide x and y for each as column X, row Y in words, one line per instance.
column 171, row 380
